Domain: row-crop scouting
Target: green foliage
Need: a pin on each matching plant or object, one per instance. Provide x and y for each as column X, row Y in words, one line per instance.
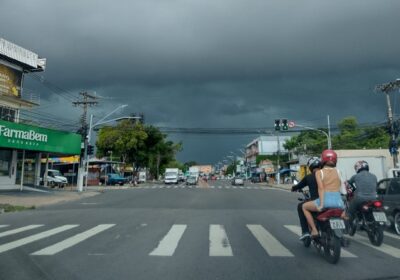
column 142, row 146
column 351, row 136
column 231, row 169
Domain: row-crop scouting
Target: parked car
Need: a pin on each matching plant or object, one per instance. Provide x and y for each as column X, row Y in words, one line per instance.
column 238, row 181
column 191, row 180
column 389, row 192
column 114, row 179
column 55, row 179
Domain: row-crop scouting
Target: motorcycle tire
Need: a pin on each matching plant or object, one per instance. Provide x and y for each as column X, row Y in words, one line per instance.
column 353, row 226
column 332, row 247
column 396, row 222
column 307, row 242
column 375, row 235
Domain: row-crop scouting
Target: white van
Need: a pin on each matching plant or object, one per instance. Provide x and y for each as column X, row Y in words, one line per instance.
column 56, row 179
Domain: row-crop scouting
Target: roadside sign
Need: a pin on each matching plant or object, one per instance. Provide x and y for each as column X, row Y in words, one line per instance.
column 291, row 124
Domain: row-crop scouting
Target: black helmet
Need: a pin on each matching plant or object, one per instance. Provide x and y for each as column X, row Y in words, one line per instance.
column 361, row 165
column 313, row 163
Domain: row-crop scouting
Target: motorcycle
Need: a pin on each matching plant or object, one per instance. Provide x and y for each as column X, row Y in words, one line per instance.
column 369, row 217
column 331, row 228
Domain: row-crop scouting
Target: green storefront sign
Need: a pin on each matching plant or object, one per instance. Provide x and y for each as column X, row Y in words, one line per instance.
column 27, row 137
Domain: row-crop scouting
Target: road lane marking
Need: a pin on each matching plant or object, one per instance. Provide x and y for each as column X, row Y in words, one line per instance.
column 270, row 244
column 297, row 230
column 219, row 242
column 212, row 187
column 33, row 238
column 2, row 226
column 175, row 187
column 241, row 188
column 387, row 249
column 154, row 187
column 168, row 187
column 169, row 243
column 69, row 242
column 391, row 235
column 18, row 230
column 234, row 187
column 227, row 187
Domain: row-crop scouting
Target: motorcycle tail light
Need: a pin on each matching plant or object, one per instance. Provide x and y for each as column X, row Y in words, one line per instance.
column 378, row 204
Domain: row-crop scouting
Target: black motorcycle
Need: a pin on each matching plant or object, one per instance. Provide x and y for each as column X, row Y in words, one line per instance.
column 331, row 227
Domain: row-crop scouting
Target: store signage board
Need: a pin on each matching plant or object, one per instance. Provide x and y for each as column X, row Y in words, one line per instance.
column 18, row 53
column 28, row 137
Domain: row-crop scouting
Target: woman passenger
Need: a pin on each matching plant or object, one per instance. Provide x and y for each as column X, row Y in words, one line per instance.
column 329, row 187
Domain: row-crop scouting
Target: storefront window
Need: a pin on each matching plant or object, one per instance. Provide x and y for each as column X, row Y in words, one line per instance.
column 7, row 114
column 5, row 162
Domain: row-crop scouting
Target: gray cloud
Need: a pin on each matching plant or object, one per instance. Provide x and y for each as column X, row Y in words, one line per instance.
column 215, row 63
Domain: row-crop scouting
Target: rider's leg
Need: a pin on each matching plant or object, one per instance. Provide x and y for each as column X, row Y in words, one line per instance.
column 309, row 207
column 302, row 218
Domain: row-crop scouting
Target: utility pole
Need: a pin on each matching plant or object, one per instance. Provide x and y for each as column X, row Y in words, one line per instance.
column 87, row 101
column 387, row 88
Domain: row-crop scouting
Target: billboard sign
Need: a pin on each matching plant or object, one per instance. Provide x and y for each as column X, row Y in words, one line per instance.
column 28, row 137
column 18, row 53
column 10, row 81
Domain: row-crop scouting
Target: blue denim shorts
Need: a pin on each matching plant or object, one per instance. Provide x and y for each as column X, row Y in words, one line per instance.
column 332, row 200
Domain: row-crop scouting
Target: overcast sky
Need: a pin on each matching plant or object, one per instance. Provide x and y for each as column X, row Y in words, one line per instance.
column 213, row 63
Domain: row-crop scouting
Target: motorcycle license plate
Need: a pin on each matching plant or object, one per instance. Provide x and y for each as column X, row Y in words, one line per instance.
column 379, row 216
column 337, row 224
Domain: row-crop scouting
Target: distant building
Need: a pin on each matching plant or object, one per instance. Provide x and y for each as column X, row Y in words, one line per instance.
column 264, row 145
column 205, row 169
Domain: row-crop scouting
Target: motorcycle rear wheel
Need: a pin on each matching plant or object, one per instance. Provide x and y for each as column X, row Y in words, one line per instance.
column 353, row 226
column 396, row 222
column 332, row 248
column 376, row 236
column 307, row 242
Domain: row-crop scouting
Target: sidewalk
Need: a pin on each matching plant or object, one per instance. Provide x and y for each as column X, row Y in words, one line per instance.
column 29, row 198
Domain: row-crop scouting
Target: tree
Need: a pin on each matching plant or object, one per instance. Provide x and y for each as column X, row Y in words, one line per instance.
column 351, row 136
column 123, row 139
column 139, row 145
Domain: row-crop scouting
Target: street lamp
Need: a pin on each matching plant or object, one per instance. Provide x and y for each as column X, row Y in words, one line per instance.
column 315, row 129
column 87, row 142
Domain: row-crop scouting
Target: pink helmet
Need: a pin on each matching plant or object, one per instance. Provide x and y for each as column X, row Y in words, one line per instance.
column 328, row 155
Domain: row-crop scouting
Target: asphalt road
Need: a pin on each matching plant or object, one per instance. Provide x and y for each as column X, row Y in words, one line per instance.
column 216, row 231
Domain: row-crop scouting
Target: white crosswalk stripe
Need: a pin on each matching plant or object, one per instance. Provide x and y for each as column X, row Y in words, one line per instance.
column 270, row 244
column 219, row 242
column 387, row 249
column 18, row 230
column 297, row 230
column 15, row 244
column 169, row 243
column 69, row 242
column 391, row 235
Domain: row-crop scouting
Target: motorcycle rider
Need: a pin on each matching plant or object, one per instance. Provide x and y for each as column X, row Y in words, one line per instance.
column 329, row 188
column 365, row 184
column 309, row 180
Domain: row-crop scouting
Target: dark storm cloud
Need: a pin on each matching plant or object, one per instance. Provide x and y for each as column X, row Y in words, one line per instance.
column 216, row 63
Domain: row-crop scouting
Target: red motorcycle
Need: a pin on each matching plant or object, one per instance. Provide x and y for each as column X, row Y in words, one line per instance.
column 331, row 228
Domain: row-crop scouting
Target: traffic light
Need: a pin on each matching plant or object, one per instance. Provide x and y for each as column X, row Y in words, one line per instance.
column 90, row 150
column 277, row 124
column 285, row 125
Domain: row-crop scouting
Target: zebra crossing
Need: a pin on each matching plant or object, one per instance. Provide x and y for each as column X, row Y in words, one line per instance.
column 218, row 237
column 227, row 187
